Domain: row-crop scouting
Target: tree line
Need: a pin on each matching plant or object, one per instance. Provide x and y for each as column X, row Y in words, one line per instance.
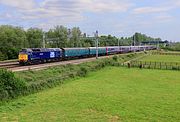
column 13, row 39
column 173, row 46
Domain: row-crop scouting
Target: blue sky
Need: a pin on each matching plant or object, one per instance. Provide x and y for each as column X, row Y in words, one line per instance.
column 156, row 18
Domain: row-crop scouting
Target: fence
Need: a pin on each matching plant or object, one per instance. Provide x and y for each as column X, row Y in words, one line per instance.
column 155, row 65
column 166, row 53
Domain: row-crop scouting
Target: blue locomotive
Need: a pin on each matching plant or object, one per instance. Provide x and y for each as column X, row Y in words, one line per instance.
column 39, row 55
column 43, row 55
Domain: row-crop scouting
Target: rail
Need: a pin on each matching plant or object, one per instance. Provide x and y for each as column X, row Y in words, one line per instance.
column 8, row 64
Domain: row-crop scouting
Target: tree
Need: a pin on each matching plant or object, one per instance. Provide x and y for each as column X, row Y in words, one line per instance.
column 12, row 36
column 75, row 39
column 12, row 39
column 58, row 37
column 62, row 33
column 142, row 37
column 34, row 37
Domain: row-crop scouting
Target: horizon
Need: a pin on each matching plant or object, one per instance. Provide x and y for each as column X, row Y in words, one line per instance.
column 118, row 18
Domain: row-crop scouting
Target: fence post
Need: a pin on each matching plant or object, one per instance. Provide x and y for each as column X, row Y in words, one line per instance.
column 160, row 65
column 176, row 65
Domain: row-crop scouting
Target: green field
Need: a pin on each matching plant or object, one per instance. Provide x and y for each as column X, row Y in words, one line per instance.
column 162, row 58
column 111, row 94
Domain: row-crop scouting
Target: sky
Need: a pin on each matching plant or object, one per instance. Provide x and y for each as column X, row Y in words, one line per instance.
column 156, row 18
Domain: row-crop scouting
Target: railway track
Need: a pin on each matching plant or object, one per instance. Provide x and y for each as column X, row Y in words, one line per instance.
column 52, row 64
column 15, row 67
column 8, row 61
column 9, row 64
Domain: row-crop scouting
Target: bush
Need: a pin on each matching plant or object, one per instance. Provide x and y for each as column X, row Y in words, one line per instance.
column 8, row 53
column 10, row 86
column 115, row 58
column 174, row 68
column 82, row 72
column 3, row 56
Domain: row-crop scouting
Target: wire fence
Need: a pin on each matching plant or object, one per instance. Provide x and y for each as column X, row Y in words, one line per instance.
column 155, row 65
column 166, row 53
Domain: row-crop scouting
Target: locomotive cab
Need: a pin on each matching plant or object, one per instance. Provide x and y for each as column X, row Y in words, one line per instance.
column 24, row 56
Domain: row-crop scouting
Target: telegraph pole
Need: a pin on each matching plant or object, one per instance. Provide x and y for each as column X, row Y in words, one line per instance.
column 118, row 44
column 96, row 36
column 134, row 39
column 44, row 45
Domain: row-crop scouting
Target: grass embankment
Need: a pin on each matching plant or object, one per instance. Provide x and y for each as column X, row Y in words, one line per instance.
column 161, row 58
column 111, row 94
column 28, row 82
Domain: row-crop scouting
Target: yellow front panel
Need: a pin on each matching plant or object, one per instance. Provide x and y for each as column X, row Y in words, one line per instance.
column 23, row 57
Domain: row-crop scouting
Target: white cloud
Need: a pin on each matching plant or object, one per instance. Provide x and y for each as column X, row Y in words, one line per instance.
column 60, row 11
column 164, row 18
column 109, row 6
column 160, row 7
column 146, row 10
column 175, row 3
column 89, row 5
column 21, row 4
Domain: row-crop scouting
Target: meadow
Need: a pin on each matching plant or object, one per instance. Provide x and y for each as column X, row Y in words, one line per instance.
column 161, row 58
column 111, row 94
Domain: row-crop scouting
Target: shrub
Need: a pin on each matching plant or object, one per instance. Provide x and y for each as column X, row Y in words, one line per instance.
column 174, row 68
column 82, row 72
column 3, row 56
column 8, row 53
column 115, row 58
column 10, row 86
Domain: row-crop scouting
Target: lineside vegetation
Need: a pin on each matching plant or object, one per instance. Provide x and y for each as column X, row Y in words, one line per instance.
column 27, row 82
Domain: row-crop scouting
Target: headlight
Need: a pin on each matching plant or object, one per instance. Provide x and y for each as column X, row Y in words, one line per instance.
column 23, row 57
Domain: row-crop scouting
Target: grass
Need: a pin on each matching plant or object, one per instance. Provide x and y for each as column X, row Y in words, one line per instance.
column 111, row 94
column 162, row 58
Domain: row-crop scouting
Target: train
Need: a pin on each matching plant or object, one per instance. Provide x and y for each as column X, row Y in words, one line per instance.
column 29, row 56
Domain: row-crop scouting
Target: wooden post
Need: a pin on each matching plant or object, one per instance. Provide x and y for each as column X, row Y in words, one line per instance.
column 160, row 65
column 177, row 65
